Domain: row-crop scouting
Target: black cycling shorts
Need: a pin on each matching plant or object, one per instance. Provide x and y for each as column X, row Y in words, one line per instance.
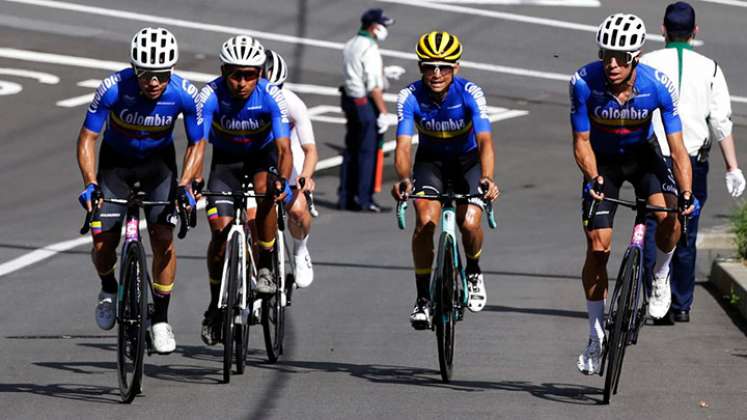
column 117, row 175
column 460, row 174
column 644, row 167
column 226, row 173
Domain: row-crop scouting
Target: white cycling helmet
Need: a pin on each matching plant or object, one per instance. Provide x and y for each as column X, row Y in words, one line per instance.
column 275, row 69
column 242, row 50
column 154, row 49
column 621, row 32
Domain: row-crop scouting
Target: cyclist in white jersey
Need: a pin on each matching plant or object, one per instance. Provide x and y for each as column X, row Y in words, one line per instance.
column 305, row 157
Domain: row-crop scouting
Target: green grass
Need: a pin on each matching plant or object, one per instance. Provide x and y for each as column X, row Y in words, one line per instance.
column 739, row 224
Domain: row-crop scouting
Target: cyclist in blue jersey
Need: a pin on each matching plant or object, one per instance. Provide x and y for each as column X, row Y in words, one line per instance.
column 140, row 106
column 455, row 152
column 612, row 101
column 246, row 120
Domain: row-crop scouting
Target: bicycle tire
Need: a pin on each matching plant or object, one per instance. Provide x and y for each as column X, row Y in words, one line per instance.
column 620, row 314
column 241, row 333
column 131, row 316
column 445, row 306
column 229, row 312
column 273, row 315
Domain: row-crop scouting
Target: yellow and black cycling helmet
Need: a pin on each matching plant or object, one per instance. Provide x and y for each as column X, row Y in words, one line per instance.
column 439, row 46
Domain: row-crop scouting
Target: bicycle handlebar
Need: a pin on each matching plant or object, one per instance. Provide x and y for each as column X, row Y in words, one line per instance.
column 136, row 200
column 634, row 205
column 402, row 206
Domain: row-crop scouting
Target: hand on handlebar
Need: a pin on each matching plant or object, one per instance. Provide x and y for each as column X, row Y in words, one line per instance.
column 281, row 189
column 305, row 184
column 688, row 204
column 489, row 189
column 197, row 186
column 90, row 195
column 402, row 189
column 594, row 189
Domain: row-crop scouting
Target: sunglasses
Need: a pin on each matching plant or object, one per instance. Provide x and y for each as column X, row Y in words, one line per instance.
column 147, row 75
column 244, row 74
column 622, row 57
column 432, row 68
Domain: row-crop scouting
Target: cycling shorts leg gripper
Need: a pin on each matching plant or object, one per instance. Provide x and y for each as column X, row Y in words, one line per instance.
column 214, row 281
column 162, row 289
column 423, row 271
column 109, row 271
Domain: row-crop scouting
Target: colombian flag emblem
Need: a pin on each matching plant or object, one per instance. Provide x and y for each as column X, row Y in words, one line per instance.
column 96, row 227
column 212, row 213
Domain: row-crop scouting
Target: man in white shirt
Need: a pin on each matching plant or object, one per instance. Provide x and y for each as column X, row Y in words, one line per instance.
column 365, row 111
column 705, row 111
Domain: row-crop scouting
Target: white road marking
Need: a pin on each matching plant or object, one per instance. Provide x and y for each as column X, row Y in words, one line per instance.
column 41, row 254
column 46, row 78
column 9, row 88
column 728, row 2
column 740, row 99
column 232, row 30
column 511, row 16
column 76, row 101
column 564, row 3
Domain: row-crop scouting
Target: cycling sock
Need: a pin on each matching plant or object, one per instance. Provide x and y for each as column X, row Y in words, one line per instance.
column 299, row 245
column 422, row 281
column 160, row 308
column 661, row 268
column 473, row 263
column 109, row 282
column 265, row 258
column 214, row 292
column 596, row 319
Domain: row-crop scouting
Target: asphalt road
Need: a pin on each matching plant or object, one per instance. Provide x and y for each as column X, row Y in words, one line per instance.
column 350, row 350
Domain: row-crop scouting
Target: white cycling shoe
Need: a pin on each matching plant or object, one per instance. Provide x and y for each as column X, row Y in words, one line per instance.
column 304, row 271
column 590, row 361
column 478, row 296
column 162, row 338
column 660, row 299
column 106, row 310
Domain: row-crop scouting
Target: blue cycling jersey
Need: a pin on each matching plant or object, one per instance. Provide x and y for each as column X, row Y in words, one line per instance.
column 240, row 126
column 137, row 126
column 447, row 128
column 615, row 127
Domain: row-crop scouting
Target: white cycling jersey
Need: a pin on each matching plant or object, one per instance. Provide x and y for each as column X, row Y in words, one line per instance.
column 301, row 131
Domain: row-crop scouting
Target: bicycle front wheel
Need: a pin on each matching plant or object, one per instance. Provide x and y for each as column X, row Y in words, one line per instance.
column 273, row 314
column 132, row 312
column 619, row 320
column 445, row 305
column 229, row 312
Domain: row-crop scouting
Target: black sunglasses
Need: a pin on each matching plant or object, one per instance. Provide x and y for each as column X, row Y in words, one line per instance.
column 147, row 75
column 622, row 57
column 433, row 67
column 244, row 74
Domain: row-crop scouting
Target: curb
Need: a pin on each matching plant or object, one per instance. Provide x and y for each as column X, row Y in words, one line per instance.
column 730, row 279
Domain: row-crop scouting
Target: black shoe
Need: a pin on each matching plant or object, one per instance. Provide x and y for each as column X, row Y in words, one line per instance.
column 667, row 319
column 681, row 315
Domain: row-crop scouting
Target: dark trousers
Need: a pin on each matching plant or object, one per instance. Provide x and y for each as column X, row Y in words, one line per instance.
column 359, row 159
column 682, row 274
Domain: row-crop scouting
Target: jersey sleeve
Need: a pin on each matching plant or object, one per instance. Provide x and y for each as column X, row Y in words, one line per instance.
column 579, row 92
column 668, row 104
column 193, row 118
column 103, row 100
column 475, row 101
column 208, row 104
column 719, row 107
column 406, row 104
column 278, row 112
column 299, row 115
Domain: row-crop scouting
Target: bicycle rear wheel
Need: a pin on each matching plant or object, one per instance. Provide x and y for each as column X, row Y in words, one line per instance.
column 446, row 302
column 229, row 312
column 131, row 315
column 619, row 319
column 273, row 314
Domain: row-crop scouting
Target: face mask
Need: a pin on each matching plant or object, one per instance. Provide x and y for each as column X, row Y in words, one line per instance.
column 381, row 33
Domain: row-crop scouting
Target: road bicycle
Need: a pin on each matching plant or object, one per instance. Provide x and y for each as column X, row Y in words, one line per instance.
column 629, row 303
column 238, row 283
column 448, row 288
column 134, row 291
